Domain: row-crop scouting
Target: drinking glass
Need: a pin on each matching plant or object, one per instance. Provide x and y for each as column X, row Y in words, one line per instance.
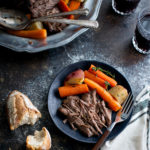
column 124, row 7
column 141, row 38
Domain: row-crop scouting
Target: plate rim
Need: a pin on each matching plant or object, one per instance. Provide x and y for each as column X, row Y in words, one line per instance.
column 63, row 69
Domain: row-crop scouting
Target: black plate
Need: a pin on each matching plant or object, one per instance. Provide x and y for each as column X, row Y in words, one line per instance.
column 54, row 100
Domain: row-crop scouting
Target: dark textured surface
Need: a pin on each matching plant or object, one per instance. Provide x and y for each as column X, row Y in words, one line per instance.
column 33, row 74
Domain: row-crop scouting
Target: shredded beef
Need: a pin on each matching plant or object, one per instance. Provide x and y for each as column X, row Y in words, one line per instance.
column 88, row 113
column 40, row 8
column 107, row 113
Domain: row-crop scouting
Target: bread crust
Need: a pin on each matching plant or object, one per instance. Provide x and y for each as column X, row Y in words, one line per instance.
column 46, row 144
column 20, row 110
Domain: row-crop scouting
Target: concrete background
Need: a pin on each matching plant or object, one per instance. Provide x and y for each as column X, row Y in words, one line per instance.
column 32, row 74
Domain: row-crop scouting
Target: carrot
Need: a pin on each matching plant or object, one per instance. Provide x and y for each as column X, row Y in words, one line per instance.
column 66, row 1
column 65, row 8
column 95, row 79
column 74, row 4
column 73, row 90
column 36, row 34
column 113, row 104
column 103, row 76
column 28, row 16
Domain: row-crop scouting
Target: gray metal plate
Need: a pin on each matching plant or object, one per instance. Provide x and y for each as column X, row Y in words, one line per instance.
column 20, row 44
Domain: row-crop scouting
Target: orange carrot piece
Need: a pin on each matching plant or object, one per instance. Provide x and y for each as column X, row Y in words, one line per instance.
column 65, row 8
column 95, row 79
column 113, row 104
column 73, row 90
column 74, row 4
column 36, row 34
column 103, row 76
column 28, row 16
column 66, row 1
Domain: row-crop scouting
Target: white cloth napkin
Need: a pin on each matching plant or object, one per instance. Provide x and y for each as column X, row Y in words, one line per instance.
column 136, row 135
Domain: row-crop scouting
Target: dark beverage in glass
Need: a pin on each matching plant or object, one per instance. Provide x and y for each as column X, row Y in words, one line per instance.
column 124, row 7
column 141, row 38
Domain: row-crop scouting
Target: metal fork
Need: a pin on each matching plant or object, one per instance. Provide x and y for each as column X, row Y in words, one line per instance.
column 20, row 21
column 121, row 115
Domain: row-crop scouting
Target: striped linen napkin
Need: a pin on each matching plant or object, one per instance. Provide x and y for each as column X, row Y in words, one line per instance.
column 136, row 135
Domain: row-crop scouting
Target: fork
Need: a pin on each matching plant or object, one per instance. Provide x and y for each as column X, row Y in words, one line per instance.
column 121, row 115
column 15, row 20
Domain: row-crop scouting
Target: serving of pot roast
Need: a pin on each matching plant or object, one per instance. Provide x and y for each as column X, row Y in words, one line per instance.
column 37, row 8
column 86, row 113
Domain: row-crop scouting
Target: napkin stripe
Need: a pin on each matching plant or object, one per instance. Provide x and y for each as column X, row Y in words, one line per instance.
column 148, row 125
column 139, row 113
column 138, row 117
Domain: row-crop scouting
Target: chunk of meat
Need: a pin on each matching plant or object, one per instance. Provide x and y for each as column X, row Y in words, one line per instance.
column 69, row 109
column 86, row 130
column 93, row 122
column 64, row 111
column 93, row 95
column 72, row 118
column 103, row 119
column 83, row 111
column 107, row 113
column 73, row 97
column 86, row 97
column 93, row 130
column 85, row 103
column 40, row 8
column 72, row 103
column 98, row 120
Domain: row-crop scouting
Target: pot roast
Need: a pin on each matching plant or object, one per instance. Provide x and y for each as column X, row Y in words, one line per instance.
column 88, row 114
column 37, row 8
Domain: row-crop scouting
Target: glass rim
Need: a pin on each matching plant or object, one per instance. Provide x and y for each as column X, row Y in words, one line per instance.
column 140, row 27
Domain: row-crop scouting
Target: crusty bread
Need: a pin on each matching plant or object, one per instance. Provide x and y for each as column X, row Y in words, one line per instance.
column 40, row 141
column 20, row 110
column 119, row 93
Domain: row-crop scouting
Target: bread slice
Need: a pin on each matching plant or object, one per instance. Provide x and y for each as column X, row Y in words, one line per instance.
column 40, row 141
column 119, row 93
column 20, row 110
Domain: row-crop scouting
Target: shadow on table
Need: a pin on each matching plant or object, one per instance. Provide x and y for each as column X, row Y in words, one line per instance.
column 12, row 145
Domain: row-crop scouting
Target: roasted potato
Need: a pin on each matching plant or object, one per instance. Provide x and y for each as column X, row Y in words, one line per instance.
column 74, row 78
column 119, row 93
column 36, row 26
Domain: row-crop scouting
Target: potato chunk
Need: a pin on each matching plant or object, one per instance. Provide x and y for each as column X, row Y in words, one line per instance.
column 119, row 93
column 36, row 26
column 75, row 78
